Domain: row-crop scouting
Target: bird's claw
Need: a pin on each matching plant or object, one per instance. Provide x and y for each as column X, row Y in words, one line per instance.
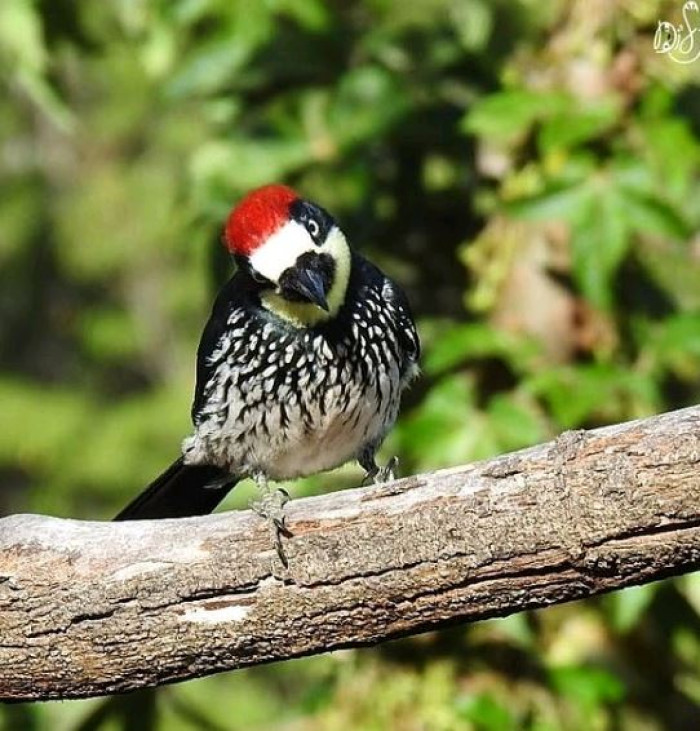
column 388, row 472
column 382, row 474
column 271, row 508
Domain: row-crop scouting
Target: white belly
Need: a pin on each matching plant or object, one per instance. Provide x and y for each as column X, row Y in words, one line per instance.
column 296, row 438
column 336, row 439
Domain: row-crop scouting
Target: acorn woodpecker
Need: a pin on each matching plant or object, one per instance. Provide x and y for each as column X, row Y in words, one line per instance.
column 300, row 367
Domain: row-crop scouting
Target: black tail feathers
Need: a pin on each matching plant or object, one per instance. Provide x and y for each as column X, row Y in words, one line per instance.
column 180, row 491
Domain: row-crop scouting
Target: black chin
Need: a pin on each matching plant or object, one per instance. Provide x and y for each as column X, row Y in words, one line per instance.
column 309, row 280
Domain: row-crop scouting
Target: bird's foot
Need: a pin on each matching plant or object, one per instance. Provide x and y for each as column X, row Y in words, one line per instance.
column 382, row 474
column 389, row 471
column 270, row 506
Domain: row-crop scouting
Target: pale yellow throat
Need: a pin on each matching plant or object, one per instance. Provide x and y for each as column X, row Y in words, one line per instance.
column 307, row 314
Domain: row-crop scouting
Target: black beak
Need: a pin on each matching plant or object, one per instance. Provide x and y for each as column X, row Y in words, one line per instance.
column 310, row 284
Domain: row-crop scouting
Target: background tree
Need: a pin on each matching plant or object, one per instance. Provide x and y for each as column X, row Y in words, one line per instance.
column 530, row 172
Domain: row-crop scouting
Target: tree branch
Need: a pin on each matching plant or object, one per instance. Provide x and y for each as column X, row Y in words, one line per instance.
column 96, row 608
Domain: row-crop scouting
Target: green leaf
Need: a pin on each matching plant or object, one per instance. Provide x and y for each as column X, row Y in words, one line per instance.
column 485, row 712
column 557, row 203
column 599, row 241
column 221, row 166
column 594, row 393
column 367, row 101
column 473, row 22
column 446, row 429
column 679, row 335
column 312, row 15
column 571, row 128
column 650, row 215
column 214, row 62
column 475, row 340
column 669, row 264
column 587, row 686
column 597, row 213
column 673, row 153
column 506, row 115
column 21, row 36
column 210, row 68
column 674, row 345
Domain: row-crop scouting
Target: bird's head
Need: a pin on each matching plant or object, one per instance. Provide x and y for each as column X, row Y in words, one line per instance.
column 294, row 250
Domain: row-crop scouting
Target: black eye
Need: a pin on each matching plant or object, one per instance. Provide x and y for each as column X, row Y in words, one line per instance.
column 317, row 221
column 313, row 227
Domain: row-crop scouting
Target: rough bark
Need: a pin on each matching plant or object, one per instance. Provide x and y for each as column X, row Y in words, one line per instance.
column 96, row 608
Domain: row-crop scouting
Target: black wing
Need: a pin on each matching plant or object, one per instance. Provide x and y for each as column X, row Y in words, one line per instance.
column 365, row 274
column 397, row 302
column 211, row 351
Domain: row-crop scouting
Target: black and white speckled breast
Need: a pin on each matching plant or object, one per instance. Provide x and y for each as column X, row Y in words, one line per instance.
column 288, row 402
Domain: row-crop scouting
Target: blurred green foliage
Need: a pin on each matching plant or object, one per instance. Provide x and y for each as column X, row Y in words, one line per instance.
column 529, row 171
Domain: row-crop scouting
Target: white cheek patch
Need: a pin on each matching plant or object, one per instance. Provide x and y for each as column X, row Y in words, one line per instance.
column 306, row 314
column 281, row 250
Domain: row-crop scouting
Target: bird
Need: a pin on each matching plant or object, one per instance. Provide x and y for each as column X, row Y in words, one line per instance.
column 300, row 367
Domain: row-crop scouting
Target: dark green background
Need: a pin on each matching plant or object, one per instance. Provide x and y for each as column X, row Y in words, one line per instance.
column 530, row 173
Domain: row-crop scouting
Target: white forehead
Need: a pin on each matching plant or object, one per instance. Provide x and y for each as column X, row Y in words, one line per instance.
column 281, row 250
